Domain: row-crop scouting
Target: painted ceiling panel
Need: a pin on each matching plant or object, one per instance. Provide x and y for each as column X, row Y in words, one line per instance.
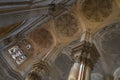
column 97, row 10
column 66, row 25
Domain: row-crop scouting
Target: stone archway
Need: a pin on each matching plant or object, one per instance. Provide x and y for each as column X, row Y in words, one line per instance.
column 107, row 41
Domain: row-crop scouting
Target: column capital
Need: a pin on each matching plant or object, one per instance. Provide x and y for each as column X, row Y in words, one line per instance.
column 85, row 51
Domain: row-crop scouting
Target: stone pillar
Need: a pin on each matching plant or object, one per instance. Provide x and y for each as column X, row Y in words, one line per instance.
column 86, row 55
column 88, row 68
column 88, row 73
column 74, row 71
column 81, row 72
column 85, row 70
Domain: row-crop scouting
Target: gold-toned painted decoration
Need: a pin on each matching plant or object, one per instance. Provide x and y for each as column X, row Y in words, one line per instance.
column 97, row 10
column 41, row 37
column 66, row 25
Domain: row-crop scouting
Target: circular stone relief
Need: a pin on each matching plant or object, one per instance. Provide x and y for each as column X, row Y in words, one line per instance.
column 97, row 10
column 66, row 25
column 42, row 37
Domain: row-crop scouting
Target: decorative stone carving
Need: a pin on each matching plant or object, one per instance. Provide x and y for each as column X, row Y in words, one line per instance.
column 39, row 71
column 26, row 46
column 33, row 76
column 97, row 10
column 66, row 25
column 41, row 65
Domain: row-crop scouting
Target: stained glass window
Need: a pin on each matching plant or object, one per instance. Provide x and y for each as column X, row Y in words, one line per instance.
column 17, row 54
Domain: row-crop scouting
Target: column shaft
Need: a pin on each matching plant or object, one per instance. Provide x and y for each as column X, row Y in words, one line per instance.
column 88, row 73
column 73, row 75
column 81, row 72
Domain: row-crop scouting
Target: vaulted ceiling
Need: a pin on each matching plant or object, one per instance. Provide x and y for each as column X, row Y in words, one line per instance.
column 52, row 27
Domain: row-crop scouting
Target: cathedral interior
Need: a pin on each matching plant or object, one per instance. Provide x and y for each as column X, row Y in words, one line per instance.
column 59, row 39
